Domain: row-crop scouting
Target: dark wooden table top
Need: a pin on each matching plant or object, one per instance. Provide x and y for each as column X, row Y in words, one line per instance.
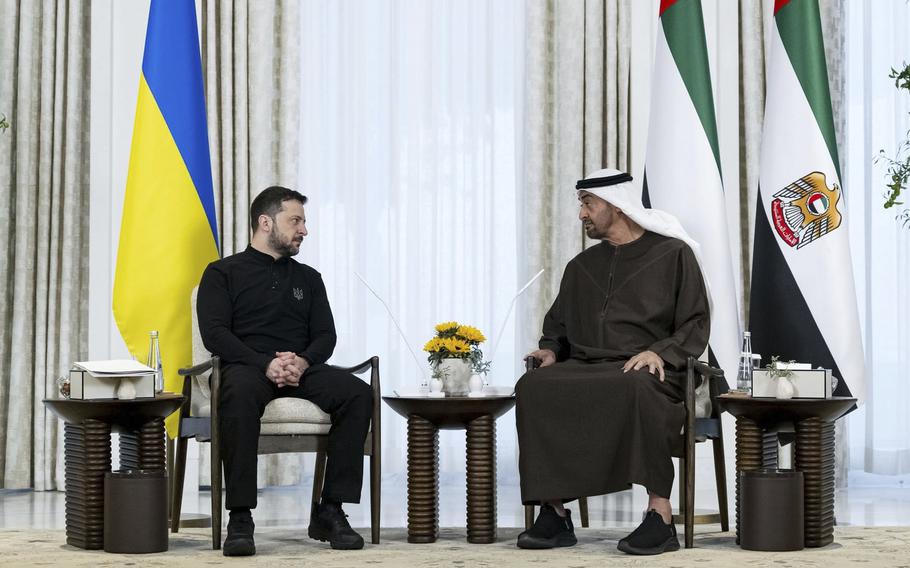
column 451, row 412
column 132, row 413
column 769, row 411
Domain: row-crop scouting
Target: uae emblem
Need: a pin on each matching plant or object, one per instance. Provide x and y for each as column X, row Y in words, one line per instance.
column 806, row 210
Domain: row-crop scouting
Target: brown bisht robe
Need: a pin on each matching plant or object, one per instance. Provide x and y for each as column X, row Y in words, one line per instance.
column 584, row 426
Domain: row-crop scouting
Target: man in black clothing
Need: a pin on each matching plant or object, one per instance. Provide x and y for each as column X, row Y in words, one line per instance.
column 605, row 407
column 268, row 318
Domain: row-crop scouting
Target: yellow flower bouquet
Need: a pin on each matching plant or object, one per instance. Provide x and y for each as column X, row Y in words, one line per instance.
column 456, row 341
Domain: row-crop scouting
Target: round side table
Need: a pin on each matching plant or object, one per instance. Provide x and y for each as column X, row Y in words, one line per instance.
column 87, row 451
column 757, row 423
column 426, row 416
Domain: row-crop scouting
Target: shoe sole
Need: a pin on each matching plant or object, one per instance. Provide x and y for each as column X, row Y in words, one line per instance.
column 324, row 537
column 558, row 541
column 670, row 545
column 227, row 551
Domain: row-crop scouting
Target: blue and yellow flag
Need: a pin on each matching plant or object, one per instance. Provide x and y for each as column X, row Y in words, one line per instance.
column 168, row 232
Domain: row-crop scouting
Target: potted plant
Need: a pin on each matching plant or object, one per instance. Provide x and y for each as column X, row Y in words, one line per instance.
column 898, row 172
column 781, row 372
column 454, row 353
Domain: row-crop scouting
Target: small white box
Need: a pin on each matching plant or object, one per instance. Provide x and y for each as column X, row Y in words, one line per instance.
column 84, row 386
column 807, row 383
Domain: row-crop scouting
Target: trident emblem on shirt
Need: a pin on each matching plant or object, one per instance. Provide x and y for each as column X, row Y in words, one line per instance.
column 298, row 293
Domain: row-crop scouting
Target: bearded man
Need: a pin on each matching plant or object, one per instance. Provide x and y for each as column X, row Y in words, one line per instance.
column 602, row 411
column 268, row 317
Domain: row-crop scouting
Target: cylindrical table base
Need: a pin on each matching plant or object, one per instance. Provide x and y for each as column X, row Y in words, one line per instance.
column 749, row 457
column 144, row 448
column 423, row 480
column 481, row 480
column 87, row 451
column 814, row 456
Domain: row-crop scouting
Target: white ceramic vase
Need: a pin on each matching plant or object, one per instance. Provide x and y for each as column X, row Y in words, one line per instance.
column 455, row 374
column 784, row 388
column 475, row 386
column 126, row 388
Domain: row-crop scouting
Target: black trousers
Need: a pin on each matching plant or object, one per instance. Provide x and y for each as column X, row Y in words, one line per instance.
column 245, row 391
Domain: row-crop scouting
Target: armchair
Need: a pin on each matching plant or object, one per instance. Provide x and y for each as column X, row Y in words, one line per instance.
column 289, row 425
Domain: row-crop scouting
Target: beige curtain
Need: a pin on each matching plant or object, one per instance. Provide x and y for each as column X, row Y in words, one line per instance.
column 44, row 189
column 250, row 56
column 576, row 121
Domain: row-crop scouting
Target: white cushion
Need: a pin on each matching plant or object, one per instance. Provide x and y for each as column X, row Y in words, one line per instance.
column 294, row 410
column 702, row 399
column 285, row 428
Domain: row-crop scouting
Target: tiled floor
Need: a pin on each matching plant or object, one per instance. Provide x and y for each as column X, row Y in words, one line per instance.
column 869, row 501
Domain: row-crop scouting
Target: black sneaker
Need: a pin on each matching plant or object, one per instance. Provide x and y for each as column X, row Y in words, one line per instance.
column 329, row 523
column 549, row 530
column 239, row 541
column 653, row 536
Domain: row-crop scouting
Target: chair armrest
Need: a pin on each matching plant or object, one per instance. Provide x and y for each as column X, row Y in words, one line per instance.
column 696, row 367
column 356, row 369
column 717, row 383
column 373, row 364
column 215, row 385
column 196, row 369
column 703, row 368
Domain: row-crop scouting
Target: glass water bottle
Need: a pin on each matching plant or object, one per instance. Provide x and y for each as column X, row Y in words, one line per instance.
column 744, row 372
column 154, row 361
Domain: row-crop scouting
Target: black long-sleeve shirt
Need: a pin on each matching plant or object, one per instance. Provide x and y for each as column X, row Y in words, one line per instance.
column 250, row 306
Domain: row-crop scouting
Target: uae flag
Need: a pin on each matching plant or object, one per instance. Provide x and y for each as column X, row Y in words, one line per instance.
column 682, row 173
column 803, row 304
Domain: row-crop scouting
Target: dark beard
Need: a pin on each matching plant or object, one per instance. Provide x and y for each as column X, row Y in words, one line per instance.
column 593, row 233
column 281, row 247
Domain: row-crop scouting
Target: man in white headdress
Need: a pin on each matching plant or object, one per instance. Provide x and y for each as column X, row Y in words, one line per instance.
column 605, row 407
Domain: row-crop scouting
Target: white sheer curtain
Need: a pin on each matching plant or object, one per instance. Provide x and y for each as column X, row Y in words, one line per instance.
column 877, row 119
column 409, row 153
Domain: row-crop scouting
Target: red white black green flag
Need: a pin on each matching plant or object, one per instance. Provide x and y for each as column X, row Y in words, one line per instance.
column 683, row 174
column 803, row 303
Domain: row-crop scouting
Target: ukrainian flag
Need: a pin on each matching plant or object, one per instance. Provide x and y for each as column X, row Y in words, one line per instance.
column 168, row 232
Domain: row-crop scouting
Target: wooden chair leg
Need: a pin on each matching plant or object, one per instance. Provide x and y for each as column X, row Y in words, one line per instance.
column 720, row 476
column 177, row 483
column 529, row 516
column 375, row 494
column 689, row 455
column 318, row 480
column 681, row 492
column 690, row 496
column 169, row 449
column 216, row 496
column 583, row 511
column 215, row 444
